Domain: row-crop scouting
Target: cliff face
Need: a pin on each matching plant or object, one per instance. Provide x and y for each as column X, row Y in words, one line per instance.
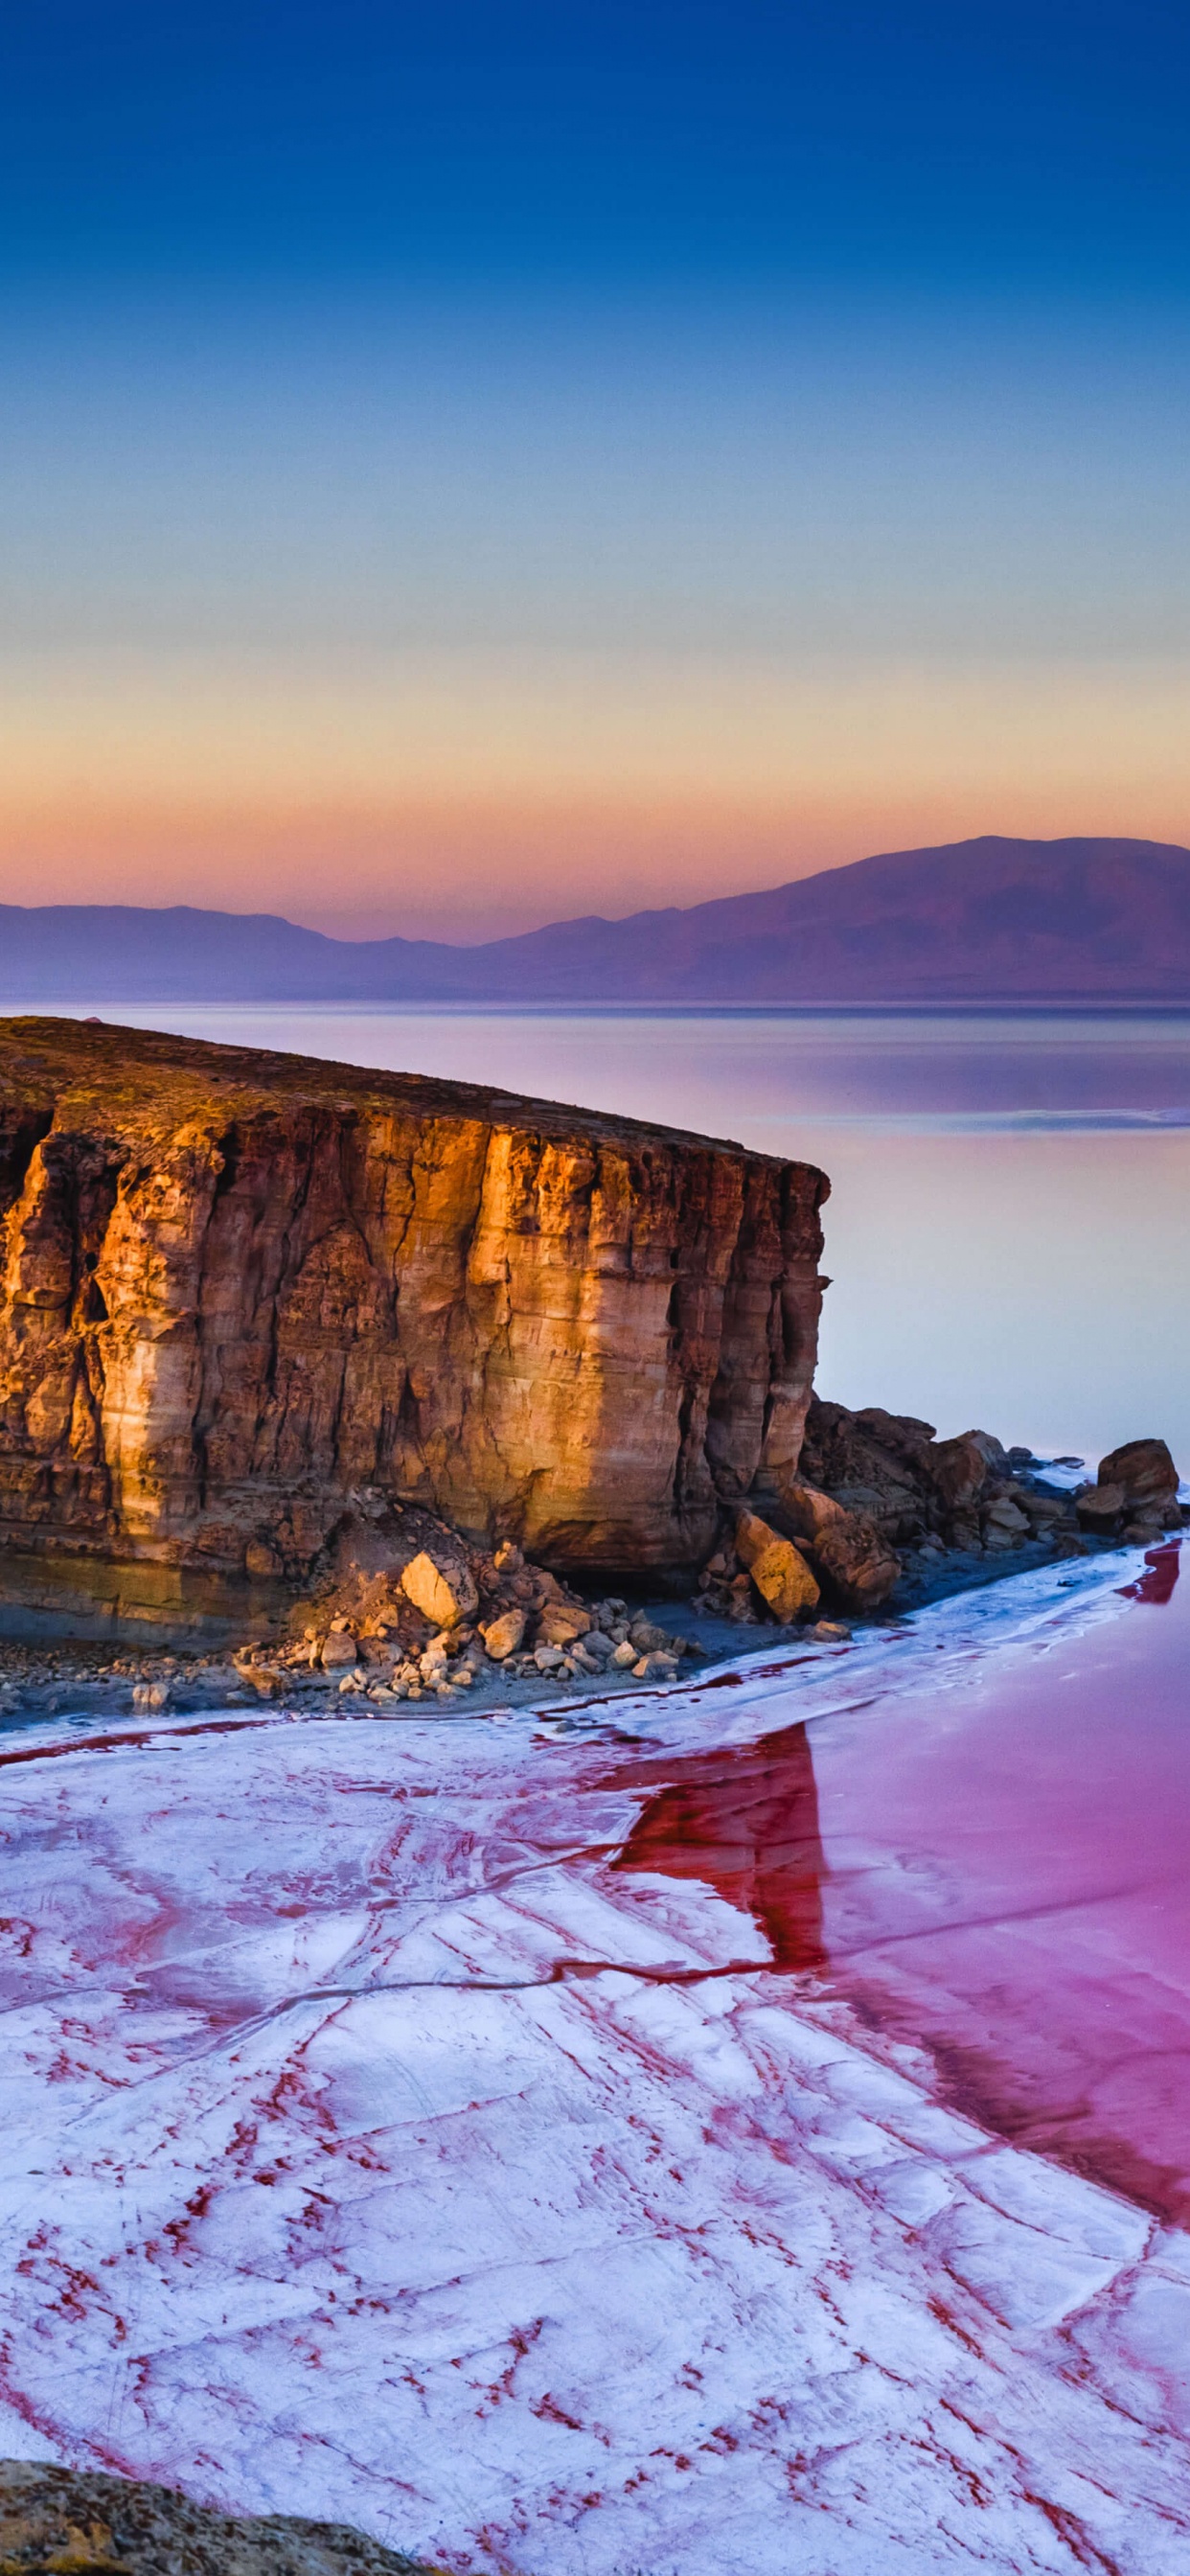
column 244, row 1293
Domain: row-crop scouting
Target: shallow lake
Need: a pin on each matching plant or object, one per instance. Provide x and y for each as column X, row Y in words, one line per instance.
column 1009, row 1228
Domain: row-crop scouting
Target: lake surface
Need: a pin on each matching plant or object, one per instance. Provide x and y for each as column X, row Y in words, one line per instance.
column 1009, row 1227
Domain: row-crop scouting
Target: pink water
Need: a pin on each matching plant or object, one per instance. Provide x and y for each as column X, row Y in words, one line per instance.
column 1001, row 1869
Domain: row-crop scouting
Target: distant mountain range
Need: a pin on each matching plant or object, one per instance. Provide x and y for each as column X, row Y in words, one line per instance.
column 989, row 920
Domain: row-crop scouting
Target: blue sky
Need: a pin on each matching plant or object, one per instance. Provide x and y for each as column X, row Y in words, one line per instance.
column 1021, row 144
column 469, row 463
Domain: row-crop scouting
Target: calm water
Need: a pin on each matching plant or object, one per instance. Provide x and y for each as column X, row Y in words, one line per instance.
column 996, row 1866
column 1009, row 1227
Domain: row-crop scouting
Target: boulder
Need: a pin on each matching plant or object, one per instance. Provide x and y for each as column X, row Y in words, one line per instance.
column 960, row 1470
column 444, row 1592
column 876, row 1464
column 856, row 1563
column 1144, row 1469
column 502, row 1636
column 1101, row 1507
column 846, row 1549
column 778, row 1569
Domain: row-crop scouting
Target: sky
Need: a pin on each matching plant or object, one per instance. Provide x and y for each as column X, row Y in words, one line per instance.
column 467, row 465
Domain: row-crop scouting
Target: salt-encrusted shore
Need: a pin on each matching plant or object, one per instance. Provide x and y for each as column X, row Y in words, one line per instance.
column 375, row 2150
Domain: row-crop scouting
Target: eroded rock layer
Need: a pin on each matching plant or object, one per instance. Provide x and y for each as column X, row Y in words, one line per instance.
column 247, row 1294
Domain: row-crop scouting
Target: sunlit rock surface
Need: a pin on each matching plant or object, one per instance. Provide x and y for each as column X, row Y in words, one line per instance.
column 461, row 2132
column 241, row 1291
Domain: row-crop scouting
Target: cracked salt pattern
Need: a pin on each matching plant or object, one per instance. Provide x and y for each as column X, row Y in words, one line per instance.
column 399, row 2129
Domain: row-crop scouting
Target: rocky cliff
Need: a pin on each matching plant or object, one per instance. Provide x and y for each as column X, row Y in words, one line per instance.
column 246, row 1295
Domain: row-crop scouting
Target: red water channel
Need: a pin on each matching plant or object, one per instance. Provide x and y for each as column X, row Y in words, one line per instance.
column 999, row 1868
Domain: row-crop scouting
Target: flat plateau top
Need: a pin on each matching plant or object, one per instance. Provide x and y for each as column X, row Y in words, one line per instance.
column 145, row 1074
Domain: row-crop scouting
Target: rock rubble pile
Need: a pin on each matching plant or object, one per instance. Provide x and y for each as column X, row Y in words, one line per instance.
column 417, row 1613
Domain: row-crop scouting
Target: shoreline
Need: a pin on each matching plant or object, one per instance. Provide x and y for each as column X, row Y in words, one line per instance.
column 39, row 1682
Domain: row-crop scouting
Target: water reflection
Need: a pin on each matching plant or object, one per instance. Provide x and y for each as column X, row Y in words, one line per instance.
column 994, row 1866
column 745, row 1822
column 1156, row 1584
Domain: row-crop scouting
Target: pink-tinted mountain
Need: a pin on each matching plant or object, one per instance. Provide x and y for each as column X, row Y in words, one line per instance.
column 987, row 920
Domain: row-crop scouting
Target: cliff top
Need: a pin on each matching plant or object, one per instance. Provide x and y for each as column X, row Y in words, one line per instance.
column 131, row 1073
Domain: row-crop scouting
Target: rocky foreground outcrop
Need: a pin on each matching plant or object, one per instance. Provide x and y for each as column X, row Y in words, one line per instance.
column 68, row 2520
column 248, row 1298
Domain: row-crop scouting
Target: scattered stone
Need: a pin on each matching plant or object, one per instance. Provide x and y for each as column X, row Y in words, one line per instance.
column 337, row 1648
column 830, row 1632
column 502, row 1636
column 559, row 1626
column 624, row 1656
column 649, row 1639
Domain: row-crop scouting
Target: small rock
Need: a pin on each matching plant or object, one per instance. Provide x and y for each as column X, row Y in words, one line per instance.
column 338, row 1648
column 150, row 1695
column 656, row 1668
column 548, row 1659
column 502, row 1636
column 560, row 1626
column 624, row 1655
column 648, row 1638
column 508, row 1559
column 830, row 1632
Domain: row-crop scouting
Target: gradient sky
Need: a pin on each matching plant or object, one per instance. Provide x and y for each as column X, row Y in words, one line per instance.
column 465, row 465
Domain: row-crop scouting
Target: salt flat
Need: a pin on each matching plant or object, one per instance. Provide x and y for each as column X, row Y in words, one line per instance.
column 374, row 2149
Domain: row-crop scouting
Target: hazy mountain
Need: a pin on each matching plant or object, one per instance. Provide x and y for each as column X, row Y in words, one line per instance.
column 983, row 920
